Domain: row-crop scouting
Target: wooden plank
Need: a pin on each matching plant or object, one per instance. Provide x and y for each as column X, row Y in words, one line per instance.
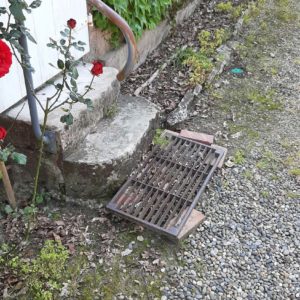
column 7, row 185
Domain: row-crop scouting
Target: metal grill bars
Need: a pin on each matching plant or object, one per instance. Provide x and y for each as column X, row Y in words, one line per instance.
column 168, row 184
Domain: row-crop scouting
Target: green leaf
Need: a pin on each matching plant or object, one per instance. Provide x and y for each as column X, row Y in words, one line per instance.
column 30, row 37
column 75, row 74
column 19, row 158
column 73, row 82
column 3, row 10
column 39, row 199
column 89, row 104
column 35, row 4
column 4, row 154
column 68, row 119
column 60, row 64
column 59, row 86
column 30, row 210
column 16, row 8
column 74, row 97
column 8, row 210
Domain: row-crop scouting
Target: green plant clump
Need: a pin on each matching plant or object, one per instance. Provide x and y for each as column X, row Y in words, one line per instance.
column 227, row 7
column 139, row 14
column 43, row 275
column 159, row 139
column 224, row 7
column 210, row 41
column 239, row 157
column 201, row 66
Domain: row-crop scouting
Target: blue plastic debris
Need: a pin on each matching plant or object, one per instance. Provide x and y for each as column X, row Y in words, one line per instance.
column 237, row 71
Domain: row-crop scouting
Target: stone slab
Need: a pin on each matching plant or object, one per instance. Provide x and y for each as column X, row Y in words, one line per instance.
column 109, row 153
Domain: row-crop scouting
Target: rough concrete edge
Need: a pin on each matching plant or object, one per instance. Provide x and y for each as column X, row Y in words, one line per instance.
column 86, row 120
column 133, row 158
column 225, row 51
column 117, row 58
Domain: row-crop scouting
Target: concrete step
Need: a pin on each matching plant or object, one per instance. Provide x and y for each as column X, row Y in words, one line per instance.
column 105, row 90
column 99, row 165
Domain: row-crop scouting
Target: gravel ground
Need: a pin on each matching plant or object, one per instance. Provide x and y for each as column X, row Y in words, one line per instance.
column 248, row 247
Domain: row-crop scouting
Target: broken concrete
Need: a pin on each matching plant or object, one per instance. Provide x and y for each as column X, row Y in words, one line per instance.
column 108, row 154
column 181, row 113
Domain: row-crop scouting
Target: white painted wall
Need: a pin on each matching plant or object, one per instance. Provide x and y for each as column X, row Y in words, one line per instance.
column 46, row 21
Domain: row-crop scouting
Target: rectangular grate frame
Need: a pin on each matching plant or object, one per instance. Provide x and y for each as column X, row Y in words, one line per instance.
column 162, row 192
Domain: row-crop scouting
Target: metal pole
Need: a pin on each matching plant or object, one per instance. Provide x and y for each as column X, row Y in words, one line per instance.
column 49, row 137
column 127, row 32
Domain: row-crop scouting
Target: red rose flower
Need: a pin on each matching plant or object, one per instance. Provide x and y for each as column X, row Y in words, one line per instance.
column 5, row 59
column 97, row 68
column 71, row 23
column 2, row 133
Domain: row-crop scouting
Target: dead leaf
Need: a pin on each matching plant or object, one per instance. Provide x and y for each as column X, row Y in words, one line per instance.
column 60, row 223
column 71, row 248
column 126, row 252
column 56, row 237
column 101, row 220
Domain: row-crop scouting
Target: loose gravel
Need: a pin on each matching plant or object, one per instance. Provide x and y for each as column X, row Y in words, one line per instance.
column 248, row 247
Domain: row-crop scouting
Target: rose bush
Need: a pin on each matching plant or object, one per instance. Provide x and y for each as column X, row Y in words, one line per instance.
column 5, row 58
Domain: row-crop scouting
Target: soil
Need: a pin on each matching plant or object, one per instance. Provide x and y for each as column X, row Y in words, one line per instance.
column 170, row 86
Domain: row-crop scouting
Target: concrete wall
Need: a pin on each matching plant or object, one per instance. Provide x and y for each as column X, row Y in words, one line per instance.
column 100, row 47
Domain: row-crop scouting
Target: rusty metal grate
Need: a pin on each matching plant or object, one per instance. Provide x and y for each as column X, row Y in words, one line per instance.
column 166, row 187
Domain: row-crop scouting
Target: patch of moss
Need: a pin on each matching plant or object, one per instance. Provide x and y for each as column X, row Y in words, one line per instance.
column 264, row 101
column 200, row 66
column 293, row 195
column 210, row 40
column 239, row 157
column 295, row 172
column 160, row 140
column 248, row 175
column 284, row 11
column 224, row 7
column 268, row 161
column 110, row 111
column 265, row 194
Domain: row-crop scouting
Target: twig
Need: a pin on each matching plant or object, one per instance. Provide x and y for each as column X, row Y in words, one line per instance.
column 150, row 80
column 154, row 75
column 15, row 119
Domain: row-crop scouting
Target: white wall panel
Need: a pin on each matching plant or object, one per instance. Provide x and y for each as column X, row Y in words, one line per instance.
column 45, row 22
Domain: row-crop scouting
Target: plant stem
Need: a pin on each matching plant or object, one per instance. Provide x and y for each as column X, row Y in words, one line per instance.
column 38, row 167
column 40, row 157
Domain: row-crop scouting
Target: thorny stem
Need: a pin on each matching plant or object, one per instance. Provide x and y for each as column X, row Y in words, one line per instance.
column 41, row 148
column 64, row 72
column 38, row 167
column 66, row 101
